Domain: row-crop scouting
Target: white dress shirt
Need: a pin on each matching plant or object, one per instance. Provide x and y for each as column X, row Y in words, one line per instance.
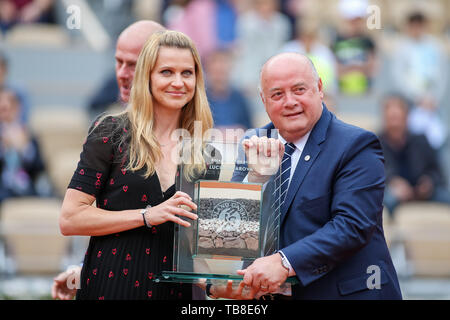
column 299, row 146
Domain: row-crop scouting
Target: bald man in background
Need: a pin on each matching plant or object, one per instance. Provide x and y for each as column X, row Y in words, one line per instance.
column 128, row 47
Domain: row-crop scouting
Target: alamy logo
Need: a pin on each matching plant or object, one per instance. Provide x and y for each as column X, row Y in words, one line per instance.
column 374, row 280
column 374, row 19
column 74, row 19
column 73, row 278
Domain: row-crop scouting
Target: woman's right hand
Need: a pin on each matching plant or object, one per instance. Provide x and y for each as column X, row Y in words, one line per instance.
column 170, row 209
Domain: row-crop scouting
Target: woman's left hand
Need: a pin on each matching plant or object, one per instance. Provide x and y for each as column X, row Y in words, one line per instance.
column 171, row 210
column 229, row 292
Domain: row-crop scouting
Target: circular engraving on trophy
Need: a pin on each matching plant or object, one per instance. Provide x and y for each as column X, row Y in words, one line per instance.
column 228, row 227
column 229, row 213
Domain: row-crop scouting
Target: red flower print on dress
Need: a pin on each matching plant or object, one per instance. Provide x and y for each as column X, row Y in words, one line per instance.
column 125, row 271
column 98, row 175
column 97, row 184
column 165, row 259
column 125, row 188
column 101, row 298
column 105, row 201
column 124, row 171
column 111, row 274
column 147, row 250
column 128, row 257
column 136, row 284
column 87, row 282
column 111, row 182
column 99, row 254
column 81, row 171
column 105, row 139
column 114, row 251
column 149, row 294
column 94, row 272
column 153, row 230
column 150, row 275
column 144, row 198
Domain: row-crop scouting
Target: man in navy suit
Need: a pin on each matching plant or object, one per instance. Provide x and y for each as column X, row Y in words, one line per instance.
column 331, row 234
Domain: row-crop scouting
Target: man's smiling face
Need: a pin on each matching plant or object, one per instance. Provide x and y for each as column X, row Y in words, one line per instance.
column 292, row 95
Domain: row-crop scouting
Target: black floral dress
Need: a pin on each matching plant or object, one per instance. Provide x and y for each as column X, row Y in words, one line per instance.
column 123, row 265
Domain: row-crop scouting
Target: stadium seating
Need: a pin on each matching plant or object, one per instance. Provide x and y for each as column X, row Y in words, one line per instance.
column 424, row 229
column 37, row 34
column 61, row 133
column 30, row 230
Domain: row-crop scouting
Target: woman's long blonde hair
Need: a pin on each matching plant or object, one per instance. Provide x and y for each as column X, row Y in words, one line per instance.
column 144, row 149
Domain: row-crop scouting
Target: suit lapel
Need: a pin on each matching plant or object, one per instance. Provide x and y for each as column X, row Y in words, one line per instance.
column 312, row 150
column 307, row 158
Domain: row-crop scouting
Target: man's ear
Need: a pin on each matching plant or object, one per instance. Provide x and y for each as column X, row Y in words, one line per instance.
column 320, row 88
column 262, row 97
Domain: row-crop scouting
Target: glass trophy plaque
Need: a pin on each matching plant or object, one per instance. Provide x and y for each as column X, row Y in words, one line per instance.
column 238, row 220
column 229, row 216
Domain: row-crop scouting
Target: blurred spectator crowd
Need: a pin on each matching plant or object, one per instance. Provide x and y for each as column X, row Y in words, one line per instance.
column 22, row 169
column 235, row 38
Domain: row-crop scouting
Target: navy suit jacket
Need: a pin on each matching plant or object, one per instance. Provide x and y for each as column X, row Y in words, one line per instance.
column 331, row 220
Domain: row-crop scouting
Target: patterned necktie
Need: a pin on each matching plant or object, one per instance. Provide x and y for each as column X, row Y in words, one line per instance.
column 281, row 183
column 282, row 180
column 285, row 170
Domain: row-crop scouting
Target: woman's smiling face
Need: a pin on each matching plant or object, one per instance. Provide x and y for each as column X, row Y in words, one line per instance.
column 173, row 78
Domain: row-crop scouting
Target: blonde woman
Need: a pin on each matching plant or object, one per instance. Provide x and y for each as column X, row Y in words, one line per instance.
column 127, row 168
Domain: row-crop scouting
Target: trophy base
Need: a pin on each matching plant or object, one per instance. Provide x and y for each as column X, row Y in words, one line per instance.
column 193, row 277
column 233, row 254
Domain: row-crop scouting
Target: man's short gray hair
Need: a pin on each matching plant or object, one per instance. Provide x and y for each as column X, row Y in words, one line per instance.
column 313, row 68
